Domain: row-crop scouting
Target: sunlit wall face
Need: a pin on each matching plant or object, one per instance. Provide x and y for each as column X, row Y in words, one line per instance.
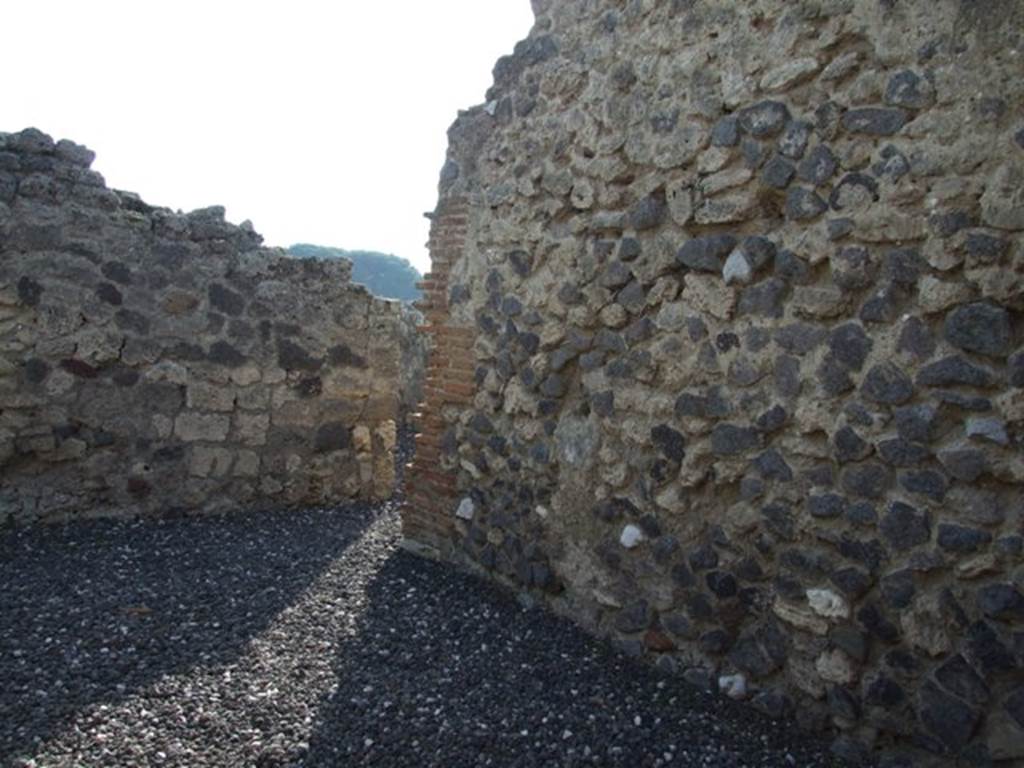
column 321, row 122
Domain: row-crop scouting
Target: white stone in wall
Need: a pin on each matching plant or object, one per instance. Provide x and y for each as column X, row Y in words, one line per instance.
column 631, row 536
column 466, row 509
column 827, row 603
column 733, row 686
column 737, row 269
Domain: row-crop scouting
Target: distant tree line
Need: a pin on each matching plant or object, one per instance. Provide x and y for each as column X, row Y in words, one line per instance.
column 388, row 276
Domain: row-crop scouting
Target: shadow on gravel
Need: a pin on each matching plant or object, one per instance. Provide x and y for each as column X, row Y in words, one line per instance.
column 448, row 670
column 95, row 611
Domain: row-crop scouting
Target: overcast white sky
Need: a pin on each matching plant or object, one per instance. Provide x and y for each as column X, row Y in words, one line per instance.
column 322, row 122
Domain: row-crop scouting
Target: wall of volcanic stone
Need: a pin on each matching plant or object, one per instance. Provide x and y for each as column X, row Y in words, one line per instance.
column 735, row 298
column 154, row 362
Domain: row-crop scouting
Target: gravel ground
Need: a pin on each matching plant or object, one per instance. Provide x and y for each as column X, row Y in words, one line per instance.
column 310, row 639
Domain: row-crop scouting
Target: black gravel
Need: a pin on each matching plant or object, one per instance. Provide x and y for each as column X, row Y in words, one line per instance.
column 310, row 639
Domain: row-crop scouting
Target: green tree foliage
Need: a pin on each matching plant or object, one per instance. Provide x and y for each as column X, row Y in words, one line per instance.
column 391, row 277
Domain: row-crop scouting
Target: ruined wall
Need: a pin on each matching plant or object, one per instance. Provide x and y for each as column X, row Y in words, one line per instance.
column 155, row 362
column 730, row 352
column 414, row 349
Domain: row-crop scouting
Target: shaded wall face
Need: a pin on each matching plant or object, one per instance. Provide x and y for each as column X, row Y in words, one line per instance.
column 743, row 285
column 153, row 362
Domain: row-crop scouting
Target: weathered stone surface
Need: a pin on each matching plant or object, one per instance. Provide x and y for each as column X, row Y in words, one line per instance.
column 981, row 328
column 888, row 384
column 157, row 335
column 904, row 527
column 804, row 363
column 874, row 121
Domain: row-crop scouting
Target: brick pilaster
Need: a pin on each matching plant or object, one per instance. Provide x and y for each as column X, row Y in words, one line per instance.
column 431, row 489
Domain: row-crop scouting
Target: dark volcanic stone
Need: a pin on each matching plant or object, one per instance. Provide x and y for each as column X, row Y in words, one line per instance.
column 898, row 588
column 902, row 453
column 773, row 419
column 29, row 291
column 108, row 293
column 633, row 297
column 888, row 384
column 980, row 327
column 834, row 376
column 903, row 527
column 647, row 213
column 874, row 121
column 849, row 446
column 958, row 677
column 883, row 692
column 786, row 376
column 1001, row 601
column 669, row 441
column 1014, row 705
column 804, row 204
column 987, row 651
column 603, row 403
column 293, row 357
column 853, row 582
column 715, row 642
column 903, row 266
column 635, row 617
column 826, row 505
column 763, row 299
column 950, row 720
column 334, row 436
column 224, row 299
column 130, row 320
column 877, row 623
column 907, row 89
column 791, row 268
column 722, row 584
column 703, row 558
column 764, row 119
column 710, row 405
column 729, row 439
column 870, row 480
column 967, row 464
column 843, row 704
column 851, row 641
column 953, row 371
column 850, row 344
column 706, row 254
column 853, row 269
column 916, row 422
column 36, row 370
column 957, row 538
column 772, row 466
column 893, row 164
column 925, row 482
column 772, row 703
column 916, row 339
column 799, row 338
column 778, row 172
column 818, row 167
column 616, row 275
column 1016, row 365
column 725, row 132
column 862, row 513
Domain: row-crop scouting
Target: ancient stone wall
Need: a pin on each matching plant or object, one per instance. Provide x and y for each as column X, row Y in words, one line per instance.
column 730, row 352
column 154, row 362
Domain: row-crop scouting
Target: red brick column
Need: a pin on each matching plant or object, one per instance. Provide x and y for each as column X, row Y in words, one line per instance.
column 431, row 480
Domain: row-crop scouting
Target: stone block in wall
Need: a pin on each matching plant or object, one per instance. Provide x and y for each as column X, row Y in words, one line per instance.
column 205, row 396
column 193, row 426
column 210, row 461
column 251, row 428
